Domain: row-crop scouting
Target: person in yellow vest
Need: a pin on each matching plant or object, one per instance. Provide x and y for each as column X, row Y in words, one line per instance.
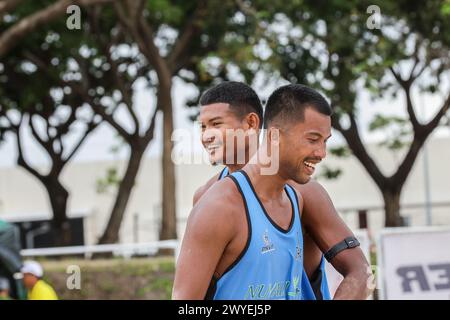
column 4, row 289
column 38, row 289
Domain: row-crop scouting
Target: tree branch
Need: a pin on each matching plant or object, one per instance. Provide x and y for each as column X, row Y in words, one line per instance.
column 414, row 75
column 430, row 126
column 408, row 161
column 419, row 139
column 158, row 62
column 64, row 127
column 46, row 144
column 142, row 34
column 406, row 86
column 353, row 139
column 100, row 110
column 81, row 90
column 20, row 157
column 59, row 152
column 151, row 129
column 418, row 73
column 246, row 9
column 132, row 26
column 12, row 35
column 135, row 8
column 189, row 31
column 128, row 24
column 90, row 127
column 124, row 89
column 7, row 5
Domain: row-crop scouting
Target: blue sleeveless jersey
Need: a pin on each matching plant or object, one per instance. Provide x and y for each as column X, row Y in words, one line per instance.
column 324, row 293
column 223, row 173
column 271, row 265
column 307, row 291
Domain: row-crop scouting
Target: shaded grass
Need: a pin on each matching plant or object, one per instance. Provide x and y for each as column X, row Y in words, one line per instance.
column 140, row 278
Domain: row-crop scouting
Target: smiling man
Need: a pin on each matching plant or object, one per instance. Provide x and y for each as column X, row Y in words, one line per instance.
column 235, row 106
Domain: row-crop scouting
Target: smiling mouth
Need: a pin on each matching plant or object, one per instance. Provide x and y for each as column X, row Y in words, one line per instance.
column 212, row 148
column 309, row 165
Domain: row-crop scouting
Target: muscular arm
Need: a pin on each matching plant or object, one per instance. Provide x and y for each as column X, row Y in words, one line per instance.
column 209, row 229
column 326, row 228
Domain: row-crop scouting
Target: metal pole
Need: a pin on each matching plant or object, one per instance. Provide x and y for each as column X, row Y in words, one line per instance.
column 426, row 174
column 427, row 186
column 136, row 228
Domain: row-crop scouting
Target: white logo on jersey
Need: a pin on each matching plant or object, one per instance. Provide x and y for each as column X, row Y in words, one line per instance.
column 268, row 246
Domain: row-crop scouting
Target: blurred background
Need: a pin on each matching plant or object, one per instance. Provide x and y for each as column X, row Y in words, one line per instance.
column 100, row 150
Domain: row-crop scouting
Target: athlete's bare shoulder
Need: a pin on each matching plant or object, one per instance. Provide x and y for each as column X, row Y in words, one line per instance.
column 219, row 205
column 313, row 194
column 312, row 186
column 320, row 217
column 219, row 192
column 316, row 200
column 211, row 226
column 201, row 190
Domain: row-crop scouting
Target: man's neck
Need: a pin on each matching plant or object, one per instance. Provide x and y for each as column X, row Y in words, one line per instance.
column 266, row 186
column 235, row 167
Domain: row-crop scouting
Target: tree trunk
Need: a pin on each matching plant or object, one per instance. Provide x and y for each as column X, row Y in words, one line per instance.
column 169, row 218
column 58, row 196
column 392, row 208
column 111, row 233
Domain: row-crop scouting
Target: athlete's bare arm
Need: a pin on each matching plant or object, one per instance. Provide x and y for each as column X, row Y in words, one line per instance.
column 210, row 228
column 200, row 191
column 326, row 229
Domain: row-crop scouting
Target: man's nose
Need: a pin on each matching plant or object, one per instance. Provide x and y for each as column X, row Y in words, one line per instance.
column 208, row 136
column 321, row 152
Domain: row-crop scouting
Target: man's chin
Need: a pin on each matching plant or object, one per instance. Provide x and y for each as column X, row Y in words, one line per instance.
column 215, row 162
column 302, row 179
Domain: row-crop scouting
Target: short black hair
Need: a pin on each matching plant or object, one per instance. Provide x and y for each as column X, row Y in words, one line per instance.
column 288, row 103
column 241, row 98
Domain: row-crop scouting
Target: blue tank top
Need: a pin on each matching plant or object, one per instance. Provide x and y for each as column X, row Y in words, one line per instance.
column 322, row 291
column 223, row 173
column 306, row 288
column 271, row 265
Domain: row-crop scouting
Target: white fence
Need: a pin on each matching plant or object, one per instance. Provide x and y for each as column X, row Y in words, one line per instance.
column 125, row 250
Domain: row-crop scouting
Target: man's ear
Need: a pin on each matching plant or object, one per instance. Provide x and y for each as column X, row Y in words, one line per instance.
column 252, row 120
column 273, row 136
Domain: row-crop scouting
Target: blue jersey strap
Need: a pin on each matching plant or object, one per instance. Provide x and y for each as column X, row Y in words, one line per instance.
column 223, row 173
column 317, row 289
column 324, row 284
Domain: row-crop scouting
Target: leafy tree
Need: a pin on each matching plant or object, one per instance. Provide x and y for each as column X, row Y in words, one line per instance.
column 32, row 100
column 21, row 19
column 332, row 46
column 178, row 39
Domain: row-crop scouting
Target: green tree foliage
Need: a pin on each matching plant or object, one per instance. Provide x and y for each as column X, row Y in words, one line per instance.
column 333, row 46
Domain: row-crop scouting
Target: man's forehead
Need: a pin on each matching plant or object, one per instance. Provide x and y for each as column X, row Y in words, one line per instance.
column 214, row 110
column 316, row 123
column 321, row 134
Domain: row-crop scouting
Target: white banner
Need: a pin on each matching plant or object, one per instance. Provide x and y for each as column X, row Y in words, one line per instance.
column 414, row 263
column 334, row 277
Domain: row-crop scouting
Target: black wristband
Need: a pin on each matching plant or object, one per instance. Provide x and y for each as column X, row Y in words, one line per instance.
column 347, row 243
